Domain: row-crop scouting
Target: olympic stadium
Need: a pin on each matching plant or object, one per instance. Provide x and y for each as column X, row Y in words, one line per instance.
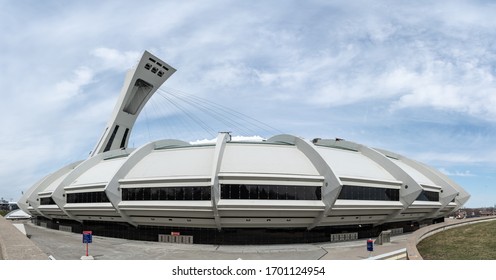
column 283, row 189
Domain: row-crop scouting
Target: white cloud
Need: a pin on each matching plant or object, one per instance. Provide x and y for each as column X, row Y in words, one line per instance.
column 235, row 138
column 115, row 59
column 69, row 88
column 465, row 173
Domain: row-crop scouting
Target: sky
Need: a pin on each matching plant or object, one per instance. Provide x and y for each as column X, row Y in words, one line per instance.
column 414, row 77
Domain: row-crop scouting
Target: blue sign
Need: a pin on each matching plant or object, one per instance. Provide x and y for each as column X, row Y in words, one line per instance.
column 87, row 236
column 370, row 245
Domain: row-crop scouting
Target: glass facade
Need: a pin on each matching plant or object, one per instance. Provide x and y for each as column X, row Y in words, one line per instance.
column 369, row 193
column 167, row 193
column 47, row 201
column 428, row 196
column 87, row 197
column 276, row 192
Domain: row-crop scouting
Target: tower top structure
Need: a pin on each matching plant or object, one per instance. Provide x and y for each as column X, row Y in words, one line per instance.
column 140, row 84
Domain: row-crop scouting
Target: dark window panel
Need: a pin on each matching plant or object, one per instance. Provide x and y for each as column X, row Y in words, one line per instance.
column 147, row 194
column 225, row 192
column 368, row 193
column 206, row 193
column 263, row 192
column 243, row 192
column 279, row 192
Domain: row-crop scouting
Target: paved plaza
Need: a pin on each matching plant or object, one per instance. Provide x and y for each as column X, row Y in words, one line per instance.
column 68, row 246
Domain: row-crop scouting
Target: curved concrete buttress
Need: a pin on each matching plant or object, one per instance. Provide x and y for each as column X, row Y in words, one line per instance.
column 220, row 145
column 462, row 197
column 33, row 197
column 332, row 184
column 24, row 203
column 410, row 189
column 112, row 189
column 448, row 192
column 59, row 195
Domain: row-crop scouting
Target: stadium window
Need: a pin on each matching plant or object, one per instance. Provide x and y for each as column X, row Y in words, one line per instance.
column 154, row 193
column 274, row 192
column 281, row 192
column 179, row 193
column 206, row 193
column 89, row 197
column 243, row 192
column 47, row 201
column 225, row 192
column 166, row 193
column 263, row 192
column 147, row 194
column 368, row 193
column 139, row 193
column 253, row 192
column 188, row 193
column 162, row 194
column 428, row 196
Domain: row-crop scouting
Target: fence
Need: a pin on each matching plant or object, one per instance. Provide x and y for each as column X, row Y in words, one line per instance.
column 183, row 239
column 340, row 237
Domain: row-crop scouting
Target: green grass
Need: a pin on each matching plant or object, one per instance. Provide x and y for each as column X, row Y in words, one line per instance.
column 3, row 212
column 471, row 242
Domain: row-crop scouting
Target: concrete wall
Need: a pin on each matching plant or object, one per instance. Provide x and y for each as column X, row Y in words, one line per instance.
column 16, row 246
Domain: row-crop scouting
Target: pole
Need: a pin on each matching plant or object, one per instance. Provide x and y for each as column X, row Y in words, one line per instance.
column 86, row 249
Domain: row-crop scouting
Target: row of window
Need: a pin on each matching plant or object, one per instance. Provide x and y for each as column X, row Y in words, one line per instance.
column 167, row 193
column 428, row 196
column 87, row 197
column 237, row 191
column 47, row 201
column 277, row 192
column 368, row 193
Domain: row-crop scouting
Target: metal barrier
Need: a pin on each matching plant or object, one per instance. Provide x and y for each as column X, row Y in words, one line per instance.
column 65, row 228
column 384, row 237
column 43, row 224
column 339, row 237
column 183, row 239
column 396, row 231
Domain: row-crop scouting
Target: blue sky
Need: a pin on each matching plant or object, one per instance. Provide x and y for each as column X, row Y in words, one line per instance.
column 416, row 78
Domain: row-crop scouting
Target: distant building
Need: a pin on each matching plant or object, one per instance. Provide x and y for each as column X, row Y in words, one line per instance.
column 285, row 189
column 8, row 205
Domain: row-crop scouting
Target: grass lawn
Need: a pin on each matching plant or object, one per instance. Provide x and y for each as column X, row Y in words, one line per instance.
column 471, row 242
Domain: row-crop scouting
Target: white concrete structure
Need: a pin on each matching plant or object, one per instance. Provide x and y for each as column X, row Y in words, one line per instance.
column 17, row 215
column 283, row 182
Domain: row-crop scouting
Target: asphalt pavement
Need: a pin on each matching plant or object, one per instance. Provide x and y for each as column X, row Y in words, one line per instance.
column 68, row 246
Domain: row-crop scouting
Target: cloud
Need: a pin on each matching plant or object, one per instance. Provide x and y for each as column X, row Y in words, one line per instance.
column 254, row 138
column 69, row 88
column 465, row 173
column 418, row 79
column 115, row 59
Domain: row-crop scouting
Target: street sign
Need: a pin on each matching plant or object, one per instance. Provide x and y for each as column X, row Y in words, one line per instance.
column 87, row 236
column 370, row 245
column 87, row 239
